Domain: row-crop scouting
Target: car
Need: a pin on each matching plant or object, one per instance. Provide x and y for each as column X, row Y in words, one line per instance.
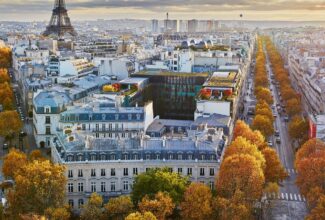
column 276, row 133
column 274, row 115
column 270, row 143
column 278, row 140
column 286, row 118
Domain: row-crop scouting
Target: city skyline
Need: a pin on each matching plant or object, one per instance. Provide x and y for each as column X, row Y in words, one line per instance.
column 275, row 10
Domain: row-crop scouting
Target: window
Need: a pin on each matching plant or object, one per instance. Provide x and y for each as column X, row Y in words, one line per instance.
column 113, row 173
column 80, row 203
column 135, row 171
column 83, row 127
column 202, row 157
column 113, row 157
column 147, row 156
column 103, row 172
column 189, row 171
column 93, row 172
column 125, row 185
column 97, row 127
column 80, row 187
column 47, row 120
column 116, row 117
column 48, row 130
column 180, row 170
column 103, row 127
column 103, row 157
column 170, row 169
column 70, row 173
column 170, row 156
column 80, row 158
column 125, row 157
column 157, row 157
column 103, row 187
column 80, row 173
column 189, row 157
column 211, row 171
column 70, row 187
column 93, row 157
column 129, row 117
column 135, row 156
column 112, row 186
column 71, row 203
column 125, row 171
column 201, row 171
column 211, row 184
column 179, row 156
column 93, row 186
column 123, row 135
column 110, row 127
column 138, row 116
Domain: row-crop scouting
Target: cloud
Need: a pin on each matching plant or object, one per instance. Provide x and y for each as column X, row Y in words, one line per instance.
column 19, row 7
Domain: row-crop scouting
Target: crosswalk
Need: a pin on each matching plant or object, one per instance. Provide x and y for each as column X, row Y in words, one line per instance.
column 285, row 196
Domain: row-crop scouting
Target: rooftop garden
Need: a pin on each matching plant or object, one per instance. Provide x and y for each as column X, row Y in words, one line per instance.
column 215, row 95
column 126, row 90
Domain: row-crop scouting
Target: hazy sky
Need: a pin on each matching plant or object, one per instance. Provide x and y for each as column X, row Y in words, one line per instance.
column 296, row 10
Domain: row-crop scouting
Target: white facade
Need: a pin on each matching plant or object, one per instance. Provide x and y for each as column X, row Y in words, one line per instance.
column 205, row 107
column 114, row 67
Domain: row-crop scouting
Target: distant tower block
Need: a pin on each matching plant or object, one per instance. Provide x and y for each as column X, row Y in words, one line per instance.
column 60, row 24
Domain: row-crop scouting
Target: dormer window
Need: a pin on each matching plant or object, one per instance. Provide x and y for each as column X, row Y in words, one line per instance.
column 103, row 117
column 138, row 116
column 47, row 110
column 129, row 116
column 116, row 117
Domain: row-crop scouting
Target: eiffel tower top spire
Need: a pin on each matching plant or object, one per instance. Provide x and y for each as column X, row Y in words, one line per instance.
column 60, row 24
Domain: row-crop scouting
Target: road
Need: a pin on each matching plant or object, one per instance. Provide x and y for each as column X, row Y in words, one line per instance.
column 289, row 204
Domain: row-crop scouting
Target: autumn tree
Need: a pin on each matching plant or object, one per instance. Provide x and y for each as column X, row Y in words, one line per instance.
column 298, row 129
column 255, row 137
column 93, row 208
column 61, row 213
column 264, row 125
column 139, row 216
column 308, row 148
column 311, row 172
column 161, row 206
column 197, row 202
column 13, row 162
column 233, row 208
column 10, row 124
column 5, row 57
column 240, row 172
column 274, row 171
column 39, row 185
column 242, row 146
column 267, row 112
column 118, row 208
column 318, row 212
column 159, row 180
column 293, row 107
column 36, row 155
column 264, row 94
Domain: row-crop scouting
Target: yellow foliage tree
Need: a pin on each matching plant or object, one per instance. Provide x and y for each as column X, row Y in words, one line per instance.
column 13, row 162
column 139, row 216
column 197, row 202
column 161, row 206
column 93, row 208
column 264, row 125
column 118, row 208
column 39, row 185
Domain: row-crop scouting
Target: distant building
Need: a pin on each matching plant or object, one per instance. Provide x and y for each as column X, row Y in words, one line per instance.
column 192, row 26
column 155, row 26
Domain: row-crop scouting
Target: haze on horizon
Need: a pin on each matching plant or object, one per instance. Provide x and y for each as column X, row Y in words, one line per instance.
column 284, row 10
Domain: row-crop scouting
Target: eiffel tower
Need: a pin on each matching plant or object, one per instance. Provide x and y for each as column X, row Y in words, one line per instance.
column 60, row 24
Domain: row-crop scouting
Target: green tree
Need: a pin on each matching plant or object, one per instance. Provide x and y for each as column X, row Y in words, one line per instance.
column 159, row 180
